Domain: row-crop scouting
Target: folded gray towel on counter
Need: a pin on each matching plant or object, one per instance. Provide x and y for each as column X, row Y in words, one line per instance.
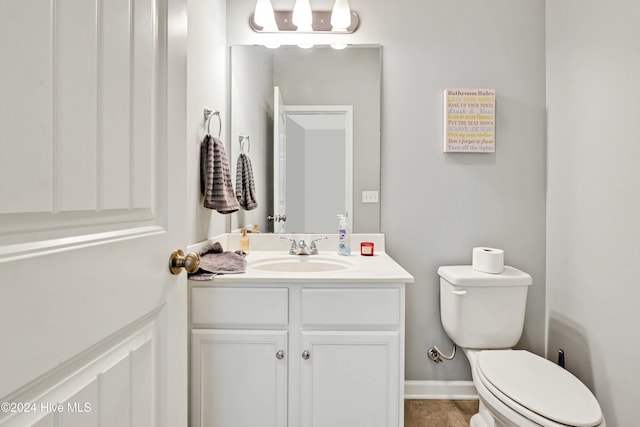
column 215, row 177
column 213, row 263
column 245, row 186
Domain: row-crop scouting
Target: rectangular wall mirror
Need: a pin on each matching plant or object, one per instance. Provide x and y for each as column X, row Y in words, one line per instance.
column 313, row 121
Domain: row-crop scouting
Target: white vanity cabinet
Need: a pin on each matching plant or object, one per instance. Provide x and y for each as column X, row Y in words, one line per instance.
column 350, row 337
column 240, row 380
column 297, row 354
column 239, row 356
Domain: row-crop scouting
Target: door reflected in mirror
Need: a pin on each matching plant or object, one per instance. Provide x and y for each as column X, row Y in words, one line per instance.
column 317, row 147
column 313, row 164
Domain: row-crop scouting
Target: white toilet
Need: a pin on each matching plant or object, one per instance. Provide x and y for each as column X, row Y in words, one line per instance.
column 484, row 314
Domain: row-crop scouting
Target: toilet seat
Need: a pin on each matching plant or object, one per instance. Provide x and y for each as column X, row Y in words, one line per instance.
column 537, row 388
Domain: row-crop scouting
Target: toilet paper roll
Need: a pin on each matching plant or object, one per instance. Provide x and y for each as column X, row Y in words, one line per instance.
column 488, row 260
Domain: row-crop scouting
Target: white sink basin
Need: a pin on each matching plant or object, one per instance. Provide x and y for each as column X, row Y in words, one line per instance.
column 300, row 264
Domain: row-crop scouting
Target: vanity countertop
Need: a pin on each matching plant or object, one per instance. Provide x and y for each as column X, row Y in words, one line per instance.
column 356, row 268
column 268, row 261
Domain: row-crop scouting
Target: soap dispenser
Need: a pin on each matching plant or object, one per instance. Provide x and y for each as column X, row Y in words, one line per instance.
column 244, row 241
column 344, row 244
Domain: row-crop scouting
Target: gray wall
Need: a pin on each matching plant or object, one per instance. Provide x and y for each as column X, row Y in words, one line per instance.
column 593, row 232
column 435, row 207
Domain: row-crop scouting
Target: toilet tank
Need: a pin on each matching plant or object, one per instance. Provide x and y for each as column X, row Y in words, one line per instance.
column 481, row 310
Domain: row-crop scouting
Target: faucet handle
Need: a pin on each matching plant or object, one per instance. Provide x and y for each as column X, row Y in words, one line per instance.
column 313, row 249
column 294, row 246
column 313, row 242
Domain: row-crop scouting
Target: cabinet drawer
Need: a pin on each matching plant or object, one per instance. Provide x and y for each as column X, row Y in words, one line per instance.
column 237, row 307
column 351, row 307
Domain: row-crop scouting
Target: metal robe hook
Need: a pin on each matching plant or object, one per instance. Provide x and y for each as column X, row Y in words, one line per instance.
column 207, row 118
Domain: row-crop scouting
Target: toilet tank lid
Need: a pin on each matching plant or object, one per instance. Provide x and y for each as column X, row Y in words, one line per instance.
column 465, row 275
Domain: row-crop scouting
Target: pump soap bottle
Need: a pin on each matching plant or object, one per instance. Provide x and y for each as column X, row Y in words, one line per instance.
column 244, row 241
column 344, row 244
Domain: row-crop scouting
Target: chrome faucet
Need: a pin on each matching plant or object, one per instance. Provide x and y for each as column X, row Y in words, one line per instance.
column 301, row 247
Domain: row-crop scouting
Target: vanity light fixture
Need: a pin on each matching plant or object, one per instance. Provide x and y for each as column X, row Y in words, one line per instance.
column 303, row 20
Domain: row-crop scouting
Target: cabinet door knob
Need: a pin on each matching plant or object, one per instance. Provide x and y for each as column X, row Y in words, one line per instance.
column 306, row 355
column 280, row 355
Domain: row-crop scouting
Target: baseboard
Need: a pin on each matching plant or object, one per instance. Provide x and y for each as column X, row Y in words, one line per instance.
column 449, row 390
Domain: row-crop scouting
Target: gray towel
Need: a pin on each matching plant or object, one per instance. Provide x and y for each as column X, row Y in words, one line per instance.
column 245, row 187
column 215, row 177
column 212, row 264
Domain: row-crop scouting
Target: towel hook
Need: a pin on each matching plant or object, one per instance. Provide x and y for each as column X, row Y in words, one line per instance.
column 207, row 118
column 241, row 140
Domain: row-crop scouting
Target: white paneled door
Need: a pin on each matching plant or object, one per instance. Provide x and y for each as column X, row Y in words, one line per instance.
column 92, row 183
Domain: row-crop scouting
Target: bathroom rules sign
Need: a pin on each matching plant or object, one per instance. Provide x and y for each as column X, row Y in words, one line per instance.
column 469, row 120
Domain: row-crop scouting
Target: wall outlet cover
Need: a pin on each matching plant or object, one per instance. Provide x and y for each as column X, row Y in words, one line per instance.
column 370, row 196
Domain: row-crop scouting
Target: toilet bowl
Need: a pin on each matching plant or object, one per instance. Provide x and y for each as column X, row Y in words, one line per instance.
column 520, row 389
column 484, row 315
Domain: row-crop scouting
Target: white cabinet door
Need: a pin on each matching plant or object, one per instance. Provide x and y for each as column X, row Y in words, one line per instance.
column 239, row 378
column 349, row 379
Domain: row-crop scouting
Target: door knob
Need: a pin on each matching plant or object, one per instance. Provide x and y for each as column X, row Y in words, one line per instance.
column 280, row 355
column 306, row 355
column 178, row 260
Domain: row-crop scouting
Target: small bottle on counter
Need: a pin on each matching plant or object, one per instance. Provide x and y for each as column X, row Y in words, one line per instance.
column 244, row 241
column 344, row 244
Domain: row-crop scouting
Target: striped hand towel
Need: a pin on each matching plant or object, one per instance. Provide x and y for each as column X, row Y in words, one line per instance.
column 215, row 177
column 245, row 187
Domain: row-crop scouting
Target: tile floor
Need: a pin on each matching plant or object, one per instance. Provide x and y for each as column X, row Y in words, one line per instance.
column 439, row 413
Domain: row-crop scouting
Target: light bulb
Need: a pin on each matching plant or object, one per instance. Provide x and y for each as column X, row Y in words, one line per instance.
column 302, row 17
column 338, row 46
column 264, row 16
column 341, row 15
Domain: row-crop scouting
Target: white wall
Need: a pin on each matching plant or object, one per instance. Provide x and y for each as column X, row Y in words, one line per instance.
column 593, row 232
column 206, row 87
column 435, row 207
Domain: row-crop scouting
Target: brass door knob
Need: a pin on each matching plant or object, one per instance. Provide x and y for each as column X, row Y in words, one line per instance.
column 178, row 261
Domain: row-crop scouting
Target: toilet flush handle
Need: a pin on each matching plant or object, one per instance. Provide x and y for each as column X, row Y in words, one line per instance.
column 461, row 293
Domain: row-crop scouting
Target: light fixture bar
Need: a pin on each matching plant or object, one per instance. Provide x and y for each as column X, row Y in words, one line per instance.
column 321, row 23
